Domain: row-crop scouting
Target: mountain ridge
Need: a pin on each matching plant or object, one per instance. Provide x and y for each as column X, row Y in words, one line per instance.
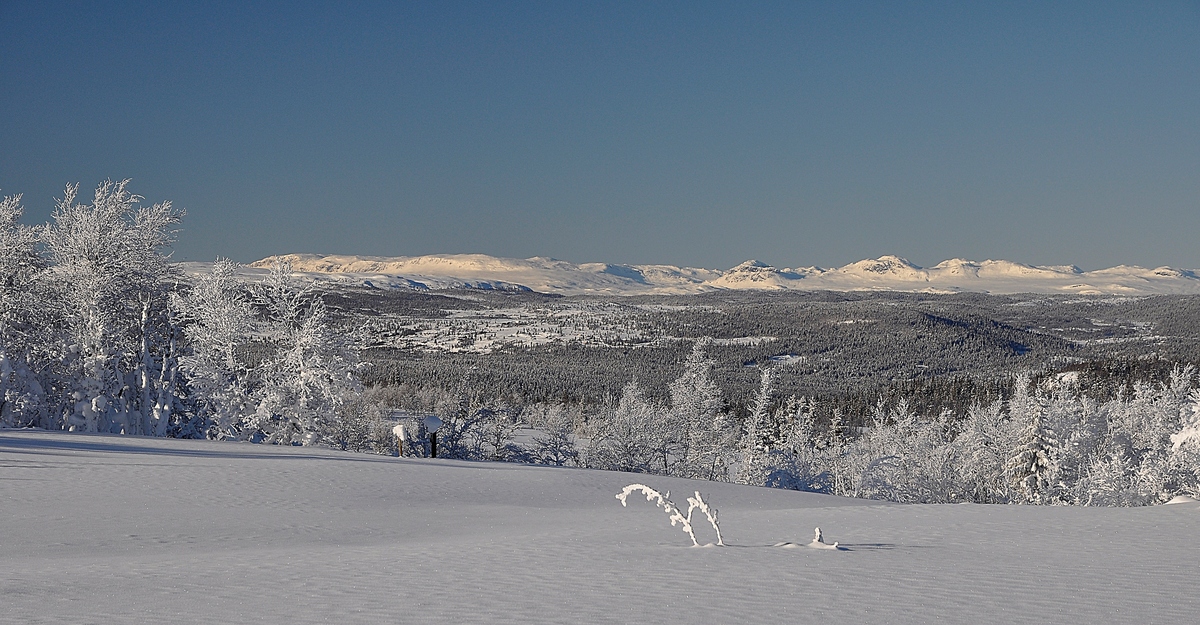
column 886, row 273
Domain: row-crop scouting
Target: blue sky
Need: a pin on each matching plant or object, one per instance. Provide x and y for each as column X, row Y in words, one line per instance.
column 686, row 133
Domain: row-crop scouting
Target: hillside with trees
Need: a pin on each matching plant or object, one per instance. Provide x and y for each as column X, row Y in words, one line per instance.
column 894, row 396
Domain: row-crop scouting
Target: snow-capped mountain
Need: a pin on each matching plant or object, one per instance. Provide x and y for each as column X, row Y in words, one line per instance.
column 548, row 275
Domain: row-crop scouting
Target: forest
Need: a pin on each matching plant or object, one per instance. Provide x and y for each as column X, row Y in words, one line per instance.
column 915, row 397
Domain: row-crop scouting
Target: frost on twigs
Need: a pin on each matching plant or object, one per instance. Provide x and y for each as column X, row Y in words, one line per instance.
column 677, row 516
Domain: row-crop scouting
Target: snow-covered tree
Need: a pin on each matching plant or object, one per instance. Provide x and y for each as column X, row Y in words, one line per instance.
column 219, row 325
column 626, row 439
column 19, row 265
column 704, row 432
column 108, row 258
column 555, row 445
column 497, row 425
column 472, row 427
column 1189, row 431
column 310, row 367
column 759, row 435
column 982, row 448
column 23, row 323
column 1031, row 466
column 1185, row 447
column 794, row 461
column 360, row 426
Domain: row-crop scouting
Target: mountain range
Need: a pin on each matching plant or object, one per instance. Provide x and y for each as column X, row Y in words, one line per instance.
column 548, row 275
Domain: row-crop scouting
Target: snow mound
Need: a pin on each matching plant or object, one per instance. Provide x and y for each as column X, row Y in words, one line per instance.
column 818, row 542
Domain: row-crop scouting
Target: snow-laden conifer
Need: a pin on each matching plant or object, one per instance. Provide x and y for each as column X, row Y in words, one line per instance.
column 1031, row 467
column 758, row 435
column 703, row 430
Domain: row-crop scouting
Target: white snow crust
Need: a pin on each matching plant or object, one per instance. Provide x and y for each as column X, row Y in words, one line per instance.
column 107, row 529
column 548, row 275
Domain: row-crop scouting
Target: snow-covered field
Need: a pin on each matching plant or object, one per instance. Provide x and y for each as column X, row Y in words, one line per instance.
column 482, row 331
column 107, row 529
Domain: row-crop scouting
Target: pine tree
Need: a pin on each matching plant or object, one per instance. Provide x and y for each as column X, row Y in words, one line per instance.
column 758, row 435
column 702, row 431
column 1030, row 466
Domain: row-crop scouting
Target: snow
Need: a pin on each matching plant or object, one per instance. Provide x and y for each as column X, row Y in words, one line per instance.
column 106, row 529
column 548, row 275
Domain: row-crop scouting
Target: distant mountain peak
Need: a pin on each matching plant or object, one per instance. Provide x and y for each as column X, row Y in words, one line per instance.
column 889, row 272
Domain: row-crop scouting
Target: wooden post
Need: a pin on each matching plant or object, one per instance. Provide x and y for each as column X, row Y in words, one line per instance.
column 432, row 423
column 400, row 434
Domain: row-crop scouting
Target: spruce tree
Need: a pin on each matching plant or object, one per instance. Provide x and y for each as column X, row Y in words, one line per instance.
column 1031, row 465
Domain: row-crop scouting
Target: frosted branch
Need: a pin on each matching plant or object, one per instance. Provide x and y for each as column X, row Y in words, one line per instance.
column 711, row 513
column 678, row 518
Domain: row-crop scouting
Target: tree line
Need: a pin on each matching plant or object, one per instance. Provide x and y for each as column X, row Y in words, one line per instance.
column 100, row 333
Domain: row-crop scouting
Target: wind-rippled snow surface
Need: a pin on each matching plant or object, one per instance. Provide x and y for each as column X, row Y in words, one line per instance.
column 104, row 529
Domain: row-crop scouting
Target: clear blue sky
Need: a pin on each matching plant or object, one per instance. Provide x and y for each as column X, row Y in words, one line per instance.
column 685, row 133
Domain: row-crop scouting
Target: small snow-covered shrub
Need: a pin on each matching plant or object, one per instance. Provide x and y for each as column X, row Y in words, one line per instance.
column 555, row 445
column 673, row 511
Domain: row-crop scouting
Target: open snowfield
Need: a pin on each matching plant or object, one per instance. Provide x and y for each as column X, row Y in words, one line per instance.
column 107, row 529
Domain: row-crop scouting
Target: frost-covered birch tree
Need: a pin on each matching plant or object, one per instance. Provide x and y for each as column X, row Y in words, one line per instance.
column 555, row 445
column 23, row 321
column 108, row 259
column 309, row 369
column 219, row 325
column 626, row 439
column 985, row 439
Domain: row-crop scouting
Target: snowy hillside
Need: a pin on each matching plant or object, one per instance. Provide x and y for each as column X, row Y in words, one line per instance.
column 545, row 275
column 108, row 529
column 548, row 275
